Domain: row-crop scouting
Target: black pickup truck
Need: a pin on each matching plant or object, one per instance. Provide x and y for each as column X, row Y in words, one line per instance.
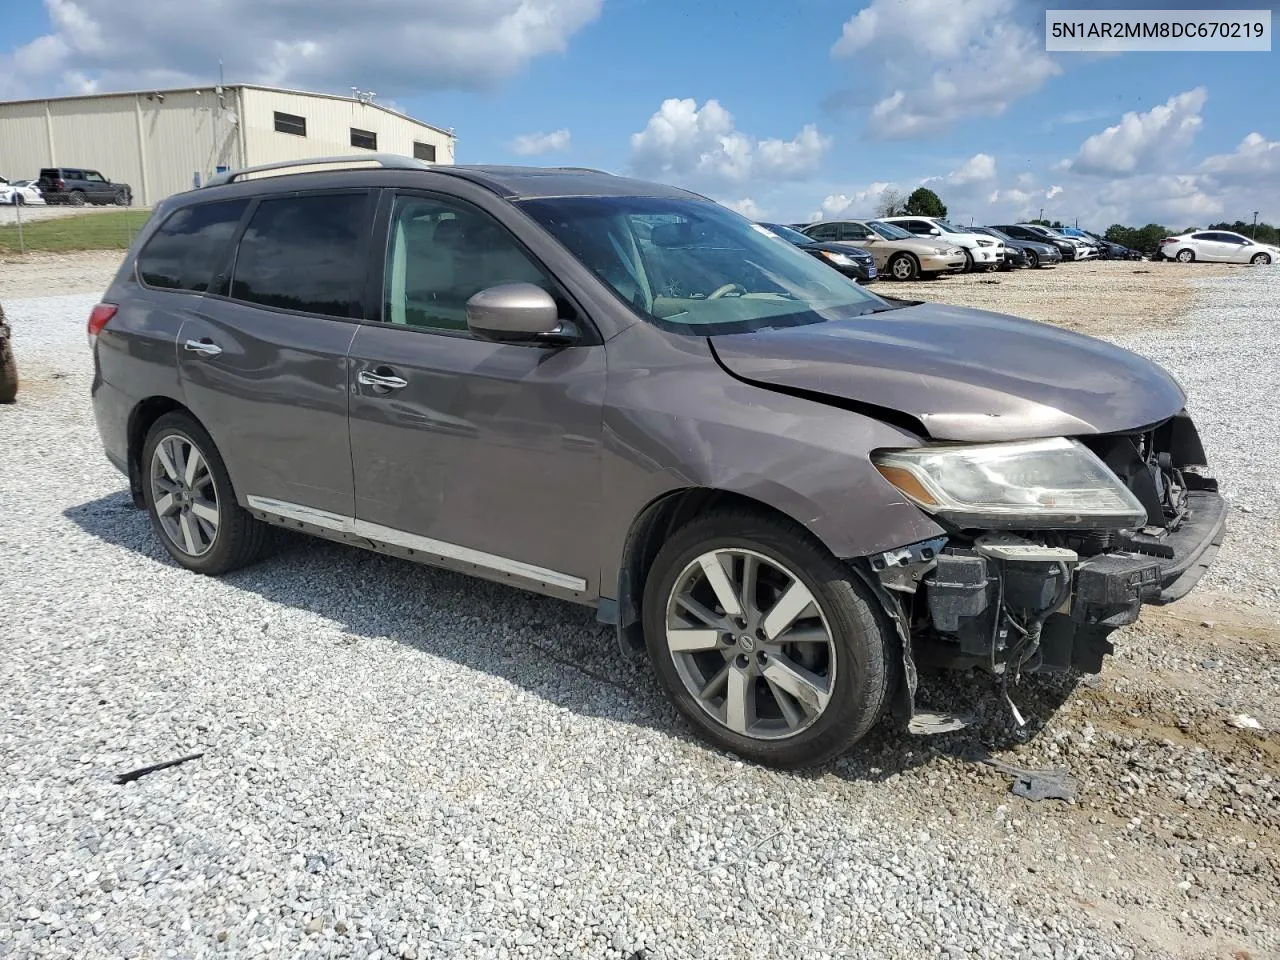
column 78, row 186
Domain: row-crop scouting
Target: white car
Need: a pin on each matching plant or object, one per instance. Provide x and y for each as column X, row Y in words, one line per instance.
column 980, row 251
column 20, row 192
column 1216, row 246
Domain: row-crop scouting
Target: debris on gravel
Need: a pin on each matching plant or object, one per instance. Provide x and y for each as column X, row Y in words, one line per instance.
column 401, row 762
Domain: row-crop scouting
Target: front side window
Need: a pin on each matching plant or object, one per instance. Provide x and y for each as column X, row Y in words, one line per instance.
column 439, row 255
column 94, row 177
column 692, row 266
column 190, row 246
column 854, row 231
column 305, row 253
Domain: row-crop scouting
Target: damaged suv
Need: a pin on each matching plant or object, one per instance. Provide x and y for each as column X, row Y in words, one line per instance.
column 790, row 491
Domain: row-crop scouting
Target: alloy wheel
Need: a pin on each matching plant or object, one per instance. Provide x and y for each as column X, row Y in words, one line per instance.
column 184, row 494
column 1261, row 259
column 1185, row 256
column 750, row 643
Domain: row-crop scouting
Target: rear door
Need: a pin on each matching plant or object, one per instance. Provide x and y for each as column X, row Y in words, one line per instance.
column 263, row 358
column 464, row 449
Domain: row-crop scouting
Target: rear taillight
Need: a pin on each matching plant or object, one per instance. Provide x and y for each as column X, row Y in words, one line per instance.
column 60, row 184
column 99, row 317
column 1166, row 240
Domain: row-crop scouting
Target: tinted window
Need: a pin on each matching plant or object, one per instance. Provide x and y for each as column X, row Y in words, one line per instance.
column 191, row 246
column 93, row 176
column 441, row 254
column 288, row 123
column 824, row 231
column 424, row 151
column 305, row 253
column 854, row 231
column 364, row 139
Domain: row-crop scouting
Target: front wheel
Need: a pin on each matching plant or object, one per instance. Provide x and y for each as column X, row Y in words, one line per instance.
column 1261, row 259
column 1033, row 260
column 904, row 267
column 122, row 199
column 190, row 501
column 767, row 644
column 968, row 262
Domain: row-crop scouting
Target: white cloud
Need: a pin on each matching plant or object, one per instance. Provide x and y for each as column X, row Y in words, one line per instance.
column 981, row 166
column 748, row 208
column 1254, row 163
column 1052, row 192
column 702, row 147
column 981, row 58
column 434, row 44
column 1143, row 140
column 855, row 203
column 529, row 144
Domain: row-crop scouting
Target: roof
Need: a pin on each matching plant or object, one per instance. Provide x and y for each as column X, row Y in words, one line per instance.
column 233, row 86
column 527, row 183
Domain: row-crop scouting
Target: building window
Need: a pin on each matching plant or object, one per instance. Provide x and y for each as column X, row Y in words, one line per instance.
column 364, row 139
column 424, row 151
column 288, row 123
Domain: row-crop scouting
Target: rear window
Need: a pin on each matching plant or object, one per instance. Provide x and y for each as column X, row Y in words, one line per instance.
column 305, row 253
column 190, row 247
column 49, row 173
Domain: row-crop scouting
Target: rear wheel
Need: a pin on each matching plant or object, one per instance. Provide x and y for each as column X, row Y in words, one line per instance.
column 1186, row 256
column 189, row 498
column 77, row 198
column 764, row 641
column 904, row 266
column 1261, row 259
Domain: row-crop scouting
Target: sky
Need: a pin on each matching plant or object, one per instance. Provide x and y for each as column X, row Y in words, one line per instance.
column 789, row 111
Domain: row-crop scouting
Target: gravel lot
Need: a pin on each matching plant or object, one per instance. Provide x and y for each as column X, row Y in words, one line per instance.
column 401, row 762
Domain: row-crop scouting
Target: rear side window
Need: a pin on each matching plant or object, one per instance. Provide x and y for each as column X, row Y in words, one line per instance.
column 190, row 247
column 305, row 253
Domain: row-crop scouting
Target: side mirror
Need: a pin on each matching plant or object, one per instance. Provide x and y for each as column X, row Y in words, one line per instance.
column 518, row 313
column 935, row 232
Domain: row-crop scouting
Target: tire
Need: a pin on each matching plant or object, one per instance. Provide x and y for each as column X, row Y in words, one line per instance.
column 8, row 365
column 237, row 539
column 849, row 652
column 76, row 198
column 1033, row 260
column 122, row 199
column 1186, row 255
column 1261, row 259
column 968, row 261
column 903, row 266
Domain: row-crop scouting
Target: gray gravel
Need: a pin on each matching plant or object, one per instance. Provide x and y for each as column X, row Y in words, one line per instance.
column 401, row 762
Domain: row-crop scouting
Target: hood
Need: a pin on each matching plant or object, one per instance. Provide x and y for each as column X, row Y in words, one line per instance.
column 966, row 375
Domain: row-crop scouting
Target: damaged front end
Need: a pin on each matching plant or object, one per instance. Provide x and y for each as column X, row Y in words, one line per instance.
column 1050, row 547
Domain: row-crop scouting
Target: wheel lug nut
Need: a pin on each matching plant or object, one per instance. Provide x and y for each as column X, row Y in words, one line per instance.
column 742, row 661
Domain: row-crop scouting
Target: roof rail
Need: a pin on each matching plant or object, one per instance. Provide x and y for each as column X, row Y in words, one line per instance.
column 389, row 160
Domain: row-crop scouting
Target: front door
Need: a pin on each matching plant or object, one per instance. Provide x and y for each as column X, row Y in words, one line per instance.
column 264, row 363
column 481, row 453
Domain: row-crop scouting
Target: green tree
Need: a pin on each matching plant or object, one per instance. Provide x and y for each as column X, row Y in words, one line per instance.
column 923, row 202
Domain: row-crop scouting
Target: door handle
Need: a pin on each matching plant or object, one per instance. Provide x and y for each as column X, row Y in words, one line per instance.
column 381, row 381
column 205, row 347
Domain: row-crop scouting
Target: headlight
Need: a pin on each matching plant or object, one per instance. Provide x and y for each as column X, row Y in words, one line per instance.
column 941, row 251
column 1053, row 483
column 986, row 243
column 839, row 258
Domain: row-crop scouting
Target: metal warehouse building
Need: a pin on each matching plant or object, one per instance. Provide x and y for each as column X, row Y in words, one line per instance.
column 164, row 141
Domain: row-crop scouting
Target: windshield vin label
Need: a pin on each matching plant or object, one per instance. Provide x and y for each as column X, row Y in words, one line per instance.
column 1139, row 30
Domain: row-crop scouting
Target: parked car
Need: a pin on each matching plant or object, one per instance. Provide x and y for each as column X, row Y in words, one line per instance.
column 761, row 472
column 1109, row 250
column 1011, row 256
column 78, row 186
column 1036, row 253
column 1216, row 246
column 981, row 253
column 1083, row 250
column 20, row 192
column 898, row 254
column 852, row 261
column 1034, row 233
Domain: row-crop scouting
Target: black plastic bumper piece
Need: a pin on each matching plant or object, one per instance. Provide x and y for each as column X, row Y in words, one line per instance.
column 1194, row 545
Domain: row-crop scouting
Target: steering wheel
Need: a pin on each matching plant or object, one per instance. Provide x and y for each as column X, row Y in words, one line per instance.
column 727, row 289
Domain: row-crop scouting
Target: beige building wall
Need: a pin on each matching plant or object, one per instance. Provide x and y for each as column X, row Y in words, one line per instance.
column 158, row 142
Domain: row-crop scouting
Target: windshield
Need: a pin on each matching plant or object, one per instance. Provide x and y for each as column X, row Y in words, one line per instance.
column 947, row 227
column 999, row 234
column 888, row 230
column 786, row 233
column 693, row 266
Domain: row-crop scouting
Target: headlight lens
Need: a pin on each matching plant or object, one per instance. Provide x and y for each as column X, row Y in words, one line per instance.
column 839, row 258
column 1051, row 483
column 986, row 243
column 942, row 251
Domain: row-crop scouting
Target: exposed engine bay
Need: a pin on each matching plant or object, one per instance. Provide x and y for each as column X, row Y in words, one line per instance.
column 1015, row 602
